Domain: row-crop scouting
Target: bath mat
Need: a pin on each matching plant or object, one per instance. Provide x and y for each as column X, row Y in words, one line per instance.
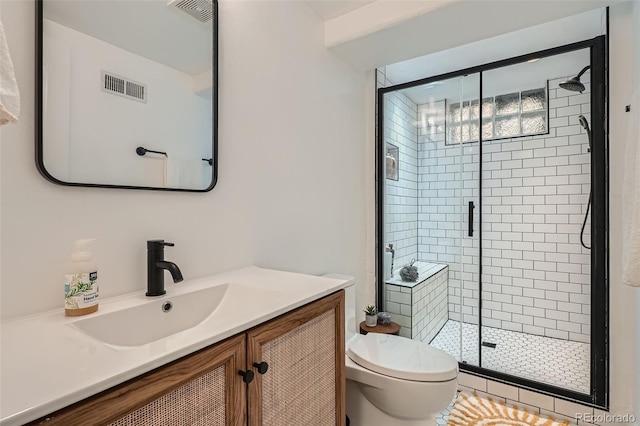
column 471, row 410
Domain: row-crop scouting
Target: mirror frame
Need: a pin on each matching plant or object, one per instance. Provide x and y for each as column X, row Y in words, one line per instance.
column 39, row 136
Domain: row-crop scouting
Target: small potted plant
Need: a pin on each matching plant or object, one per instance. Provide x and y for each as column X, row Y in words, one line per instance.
column 371, row 316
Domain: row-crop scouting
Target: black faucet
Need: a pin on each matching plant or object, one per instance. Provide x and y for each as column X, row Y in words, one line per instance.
column 156, row 266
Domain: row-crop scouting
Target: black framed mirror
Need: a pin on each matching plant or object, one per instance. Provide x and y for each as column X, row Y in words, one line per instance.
column 126, row 93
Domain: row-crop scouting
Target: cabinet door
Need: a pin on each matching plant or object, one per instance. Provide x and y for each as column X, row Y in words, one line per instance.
column 201, row 389
column 305, row 380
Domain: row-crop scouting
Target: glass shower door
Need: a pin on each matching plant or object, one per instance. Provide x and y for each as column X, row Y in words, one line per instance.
column 536, row 230
column 495, row 183
column 461, row 174
column 431, row 172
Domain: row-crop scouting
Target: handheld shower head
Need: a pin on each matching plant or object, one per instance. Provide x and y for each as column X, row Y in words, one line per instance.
column 585, row 125
column 574, row 84
column 583, row 122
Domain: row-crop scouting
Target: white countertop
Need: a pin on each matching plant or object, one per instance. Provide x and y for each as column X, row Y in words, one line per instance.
column 47, row 364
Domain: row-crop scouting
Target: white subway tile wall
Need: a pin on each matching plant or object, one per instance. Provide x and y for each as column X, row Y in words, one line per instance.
column 536, row 274
column 401, row 196
column 430, row 308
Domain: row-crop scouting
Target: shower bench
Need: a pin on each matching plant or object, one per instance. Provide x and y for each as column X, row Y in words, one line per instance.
column 421, row 307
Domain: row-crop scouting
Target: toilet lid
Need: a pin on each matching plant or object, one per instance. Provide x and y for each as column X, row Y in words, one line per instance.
column 402, row 358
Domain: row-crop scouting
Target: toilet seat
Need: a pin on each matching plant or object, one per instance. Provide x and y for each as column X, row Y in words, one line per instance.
column 402, row 358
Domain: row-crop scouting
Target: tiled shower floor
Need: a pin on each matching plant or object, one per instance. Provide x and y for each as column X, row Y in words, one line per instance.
column 544, row 359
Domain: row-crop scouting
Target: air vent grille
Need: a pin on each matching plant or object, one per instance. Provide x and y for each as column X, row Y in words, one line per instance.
column 135, row 90
column 113, row 84
column 124, row 87
column 202, row 10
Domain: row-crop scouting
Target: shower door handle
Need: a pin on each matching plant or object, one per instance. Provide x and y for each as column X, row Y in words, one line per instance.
column 471, row 207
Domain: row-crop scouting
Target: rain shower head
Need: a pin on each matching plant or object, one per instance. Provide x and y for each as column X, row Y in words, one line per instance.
column 574, row 84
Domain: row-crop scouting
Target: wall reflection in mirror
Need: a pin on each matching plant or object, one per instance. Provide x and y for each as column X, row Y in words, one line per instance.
column 128, row 93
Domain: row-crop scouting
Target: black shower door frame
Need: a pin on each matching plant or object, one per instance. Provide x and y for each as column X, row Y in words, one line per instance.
column 599, row 368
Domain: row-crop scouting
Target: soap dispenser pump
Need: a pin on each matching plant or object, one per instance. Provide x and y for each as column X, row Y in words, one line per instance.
column 81, row 281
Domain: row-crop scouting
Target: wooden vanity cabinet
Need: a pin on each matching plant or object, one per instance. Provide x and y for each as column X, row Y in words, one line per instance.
column 304, row 381
column 203, row 388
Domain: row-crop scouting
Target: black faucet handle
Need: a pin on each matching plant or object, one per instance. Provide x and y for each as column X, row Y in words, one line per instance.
column 158, row 244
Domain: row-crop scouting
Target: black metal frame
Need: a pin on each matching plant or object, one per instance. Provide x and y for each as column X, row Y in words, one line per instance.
column 599, row 394
column 39, row 151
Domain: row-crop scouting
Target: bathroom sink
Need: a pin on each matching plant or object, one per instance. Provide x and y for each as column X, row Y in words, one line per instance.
column 155, row 319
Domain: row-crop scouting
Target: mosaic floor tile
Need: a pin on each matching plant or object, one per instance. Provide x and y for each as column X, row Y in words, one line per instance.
column 544, row 359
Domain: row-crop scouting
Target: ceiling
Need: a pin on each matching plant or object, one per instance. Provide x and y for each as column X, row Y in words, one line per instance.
column 583, row 26
column 329, row 9
column 147, row 28
column 389, row 31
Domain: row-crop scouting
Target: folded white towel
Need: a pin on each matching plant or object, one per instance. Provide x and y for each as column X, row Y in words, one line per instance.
column 631, row 198
column 184, row 171
column 9, row 94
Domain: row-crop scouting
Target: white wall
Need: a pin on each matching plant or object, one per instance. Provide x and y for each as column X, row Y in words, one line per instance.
column 624, row 304
column 302, row 127
column 635, row 36
column 290, row 191
column 174, row 119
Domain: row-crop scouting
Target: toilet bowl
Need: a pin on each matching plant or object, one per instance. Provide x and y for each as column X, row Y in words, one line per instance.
column 396, row 381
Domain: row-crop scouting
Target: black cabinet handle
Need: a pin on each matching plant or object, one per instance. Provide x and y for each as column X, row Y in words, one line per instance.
column 262, row 367
column 471, row 207
column 247, row 376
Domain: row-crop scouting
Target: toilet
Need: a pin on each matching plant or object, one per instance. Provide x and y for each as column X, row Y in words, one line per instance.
column 393, row 380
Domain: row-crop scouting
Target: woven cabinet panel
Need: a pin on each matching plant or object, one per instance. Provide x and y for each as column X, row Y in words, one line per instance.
column 299, row 388
column 198, row 402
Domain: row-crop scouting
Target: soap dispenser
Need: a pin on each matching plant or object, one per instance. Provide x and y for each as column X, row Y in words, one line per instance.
column 81, row 281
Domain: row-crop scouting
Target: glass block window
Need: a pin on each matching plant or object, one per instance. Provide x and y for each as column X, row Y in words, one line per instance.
column 503, row 116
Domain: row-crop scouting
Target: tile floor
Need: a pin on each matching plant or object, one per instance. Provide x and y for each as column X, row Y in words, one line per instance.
column 441, row 418
column 554, row 361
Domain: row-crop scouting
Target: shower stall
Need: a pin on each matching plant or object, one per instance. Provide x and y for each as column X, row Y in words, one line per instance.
column 492, row 180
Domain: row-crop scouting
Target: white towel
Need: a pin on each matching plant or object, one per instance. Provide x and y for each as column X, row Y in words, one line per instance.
column 183, row 171
column 9, row 94
column 631, row 198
